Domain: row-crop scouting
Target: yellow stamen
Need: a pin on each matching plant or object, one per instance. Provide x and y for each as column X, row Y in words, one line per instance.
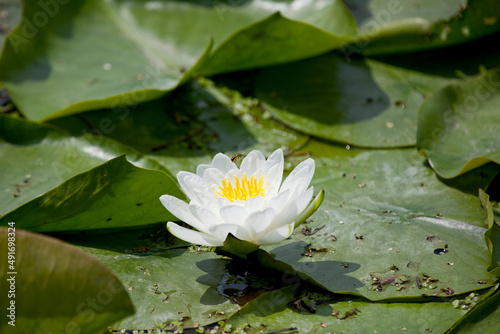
column 243, row 189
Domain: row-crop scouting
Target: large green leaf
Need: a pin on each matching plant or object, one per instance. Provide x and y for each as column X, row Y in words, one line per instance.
column 38, row 161
column 189, row 126
column 271, row 312
column 274, row 41
column 385, row 209
column 388, row 26
column 458, row 126
column 165, row 284
column 114, row 194
column 95, row 54
column 359, row 102
column 56, row 287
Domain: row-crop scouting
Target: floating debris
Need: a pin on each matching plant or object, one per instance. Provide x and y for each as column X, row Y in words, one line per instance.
column 432, row 238
column 467, row 303
column 310, row 251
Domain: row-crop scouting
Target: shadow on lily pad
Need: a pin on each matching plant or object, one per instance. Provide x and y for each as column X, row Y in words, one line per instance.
column 289, row 259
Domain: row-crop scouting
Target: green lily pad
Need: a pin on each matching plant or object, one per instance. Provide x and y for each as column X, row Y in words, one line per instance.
column 84, row 295
column 275, row 311
column 166, row 285
column 70, row 55
column 38, row 160
column 386, row 214
column 114, row 194
column 458, row 125
column 70, row 58
column 387, row 27
column 190, row 125
column 358, row 102
column 256, row 45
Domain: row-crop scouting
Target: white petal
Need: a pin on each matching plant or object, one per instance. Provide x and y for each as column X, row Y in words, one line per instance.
column 303, row 200
column 273, row 180
column 223, row 163
column 201, row 169
column 204, row 215
column 274, row 159
column 256, row 203
column 195, row 237
column 180, row 209
column 259, row 221
column 213, row 176
column 300, row 177
column 276, row 236
column 193, row 186
column 279, row 202
column 234, row 214
column 286, row 216
column 252, row 162
column 221, row 232
column 232, row 173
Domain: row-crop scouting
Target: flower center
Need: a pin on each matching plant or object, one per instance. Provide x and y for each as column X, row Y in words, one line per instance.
column 243, row 189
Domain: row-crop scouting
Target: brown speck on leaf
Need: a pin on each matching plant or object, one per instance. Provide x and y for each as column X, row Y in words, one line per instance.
column 432, row 238
column 388, row 280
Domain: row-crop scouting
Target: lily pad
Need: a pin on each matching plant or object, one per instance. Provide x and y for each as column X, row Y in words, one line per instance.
column 388, row 27
column 70, row 59
column 458, row 125
column 169, row 285
column 84, row 295
column 114, row 194
column 187, row 127
column 42, row 199
column 373, row 226
column 275, row 311
column 358, row 102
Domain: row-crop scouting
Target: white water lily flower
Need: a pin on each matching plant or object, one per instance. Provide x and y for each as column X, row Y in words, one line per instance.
column 249, row 202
